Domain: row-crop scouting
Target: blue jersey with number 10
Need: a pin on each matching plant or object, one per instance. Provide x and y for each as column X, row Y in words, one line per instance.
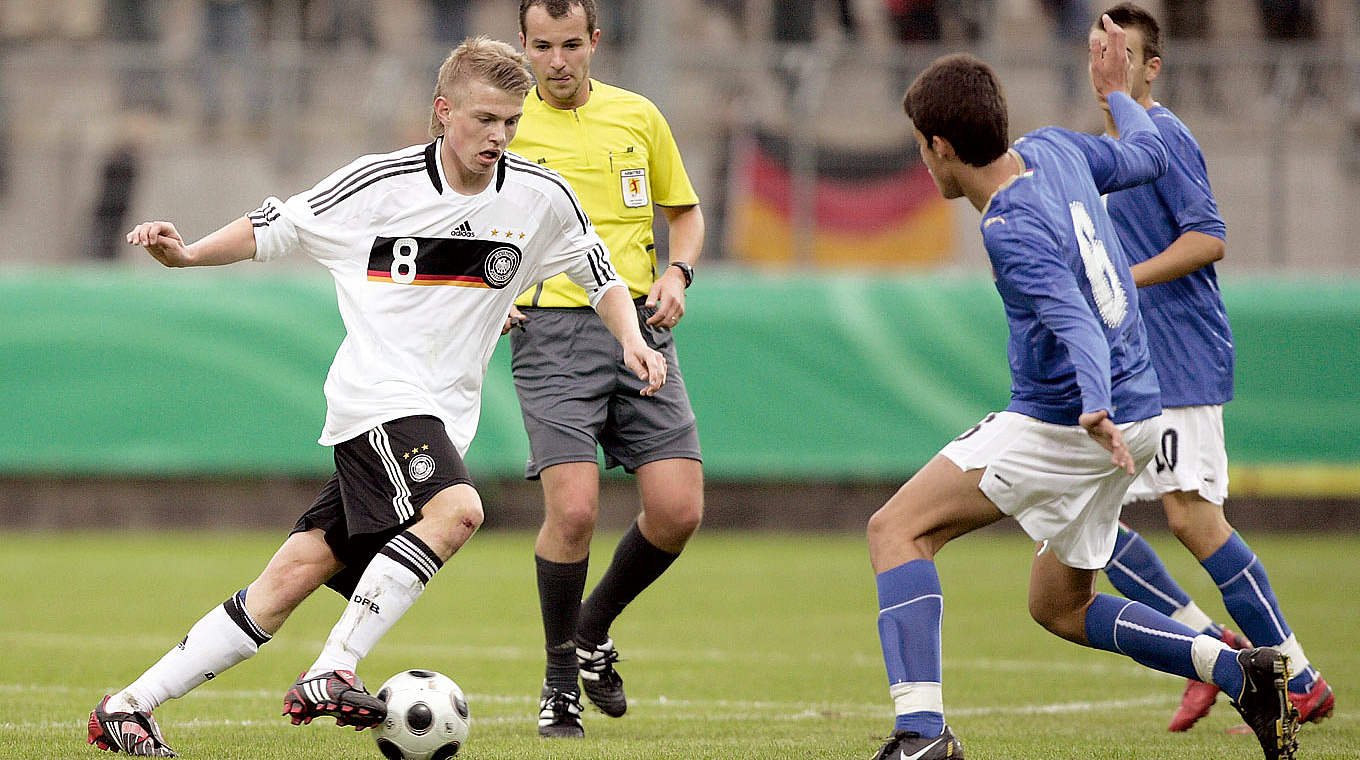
column 1190, row 340
column 1077, row 341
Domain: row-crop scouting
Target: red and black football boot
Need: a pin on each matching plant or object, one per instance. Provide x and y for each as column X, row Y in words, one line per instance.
column 337, row 693
column 135, row 733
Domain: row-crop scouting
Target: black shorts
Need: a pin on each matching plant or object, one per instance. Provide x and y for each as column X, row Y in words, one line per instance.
column 382, row 479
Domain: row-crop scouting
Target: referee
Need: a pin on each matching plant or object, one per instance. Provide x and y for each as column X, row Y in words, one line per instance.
column 616, row 150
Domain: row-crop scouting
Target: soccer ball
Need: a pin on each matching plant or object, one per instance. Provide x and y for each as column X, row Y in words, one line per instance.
column 427, row 717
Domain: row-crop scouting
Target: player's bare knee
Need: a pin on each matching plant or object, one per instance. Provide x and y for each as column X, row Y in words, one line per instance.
column 469, row 517
column 678, row 519
column 689, row 519
column 573, row 518
column 889, row 526
column 1051, row 617
column 1061, row 614
column 457, row 516
column 450, row 519
column 1182, row 527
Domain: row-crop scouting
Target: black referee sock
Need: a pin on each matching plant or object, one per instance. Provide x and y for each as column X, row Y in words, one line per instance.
column 637, row 563
column 560, row 586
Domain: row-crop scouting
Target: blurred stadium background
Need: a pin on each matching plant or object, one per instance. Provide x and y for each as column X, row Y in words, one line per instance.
column 843, row 325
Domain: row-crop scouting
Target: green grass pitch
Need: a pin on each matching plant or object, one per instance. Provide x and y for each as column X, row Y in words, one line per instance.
column 753, row 646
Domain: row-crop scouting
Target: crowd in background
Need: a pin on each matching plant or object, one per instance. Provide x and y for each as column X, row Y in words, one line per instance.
column 231, row 38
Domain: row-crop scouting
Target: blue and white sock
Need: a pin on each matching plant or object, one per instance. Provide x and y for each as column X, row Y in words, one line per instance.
column 386, row 590
column 911, row 607
column 1155, row 640
column 1248, row 597
column 224, row 637
column 1137, row 572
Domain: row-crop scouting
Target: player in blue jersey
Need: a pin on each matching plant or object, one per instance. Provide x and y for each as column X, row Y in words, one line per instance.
column 1083, row 414
column 1172, row 233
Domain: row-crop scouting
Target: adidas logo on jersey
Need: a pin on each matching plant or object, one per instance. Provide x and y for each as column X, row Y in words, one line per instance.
column 463, row 230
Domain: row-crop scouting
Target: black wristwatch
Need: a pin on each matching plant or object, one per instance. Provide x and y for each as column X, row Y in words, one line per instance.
column 686, row 270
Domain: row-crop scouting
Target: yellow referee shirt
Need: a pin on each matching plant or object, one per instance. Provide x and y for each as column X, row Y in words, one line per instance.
column 618, row 153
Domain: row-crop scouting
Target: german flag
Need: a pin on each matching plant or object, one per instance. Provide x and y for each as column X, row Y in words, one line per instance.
column 872, row 207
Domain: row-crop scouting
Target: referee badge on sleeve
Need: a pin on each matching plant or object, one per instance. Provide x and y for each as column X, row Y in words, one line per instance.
column 634, row 182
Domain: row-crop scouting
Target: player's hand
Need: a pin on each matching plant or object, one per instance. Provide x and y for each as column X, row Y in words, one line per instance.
column 667, row 296
column 1105, row 433
column 648, row 364
column 161, row 240
column 515, row 320
column 1110, row 60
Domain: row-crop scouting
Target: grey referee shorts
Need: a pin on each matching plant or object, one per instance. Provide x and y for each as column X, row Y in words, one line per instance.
column 576, row 393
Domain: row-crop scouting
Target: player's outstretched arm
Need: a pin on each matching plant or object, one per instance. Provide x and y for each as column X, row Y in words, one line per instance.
column 1099, row 426
column 617, row 312
column 232, row 243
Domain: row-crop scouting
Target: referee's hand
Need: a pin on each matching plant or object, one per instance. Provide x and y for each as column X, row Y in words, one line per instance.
column 667, row 296
column 515, row 321
column 161, row 240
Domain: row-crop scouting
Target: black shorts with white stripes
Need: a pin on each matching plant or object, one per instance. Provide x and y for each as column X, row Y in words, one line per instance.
column 382, row 479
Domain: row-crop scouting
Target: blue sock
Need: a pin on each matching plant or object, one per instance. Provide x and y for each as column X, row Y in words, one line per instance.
column 1246, row 592
column 1303, row 682
column 1138, row 573
column 911, row 606
column 1250, row 600
column 1142, row 633
column 1228, row 674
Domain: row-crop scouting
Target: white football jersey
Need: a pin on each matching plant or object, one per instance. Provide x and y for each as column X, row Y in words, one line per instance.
column 425, row 277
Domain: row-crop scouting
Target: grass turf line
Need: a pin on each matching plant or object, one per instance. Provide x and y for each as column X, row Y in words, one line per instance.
column 755, row 646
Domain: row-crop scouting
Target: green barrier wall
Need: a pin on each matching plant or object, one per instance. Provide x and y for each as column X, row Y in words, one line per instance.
column 220, row 372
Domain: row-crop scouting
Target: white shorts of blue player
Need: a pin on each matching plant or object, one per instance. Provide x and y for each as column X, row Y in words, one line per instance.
column 1062, row 488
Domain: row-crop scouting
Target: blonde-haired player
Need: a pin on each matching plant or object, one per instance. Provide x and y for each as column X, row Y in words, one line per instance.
column 428, row 246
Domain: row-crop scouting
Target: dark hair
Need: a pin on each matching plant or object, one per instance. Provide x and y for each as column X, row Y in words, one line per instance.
column 960, row 99
column 1130, row 15
column 558, row 9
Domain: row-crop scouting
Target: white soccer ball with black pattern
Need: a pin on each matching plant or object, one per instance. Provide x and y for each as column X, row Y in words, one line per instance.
column 427, row 717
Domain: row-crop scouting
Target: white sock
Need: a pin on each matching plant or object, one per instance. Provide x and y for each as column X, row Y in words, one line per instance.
column 220, row 639
column 386, row 590
column 1204, row 652
column 1191, row 615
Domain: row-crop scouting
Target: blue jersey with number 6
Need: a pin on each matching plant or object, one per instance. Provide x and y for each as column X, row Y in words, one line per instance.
column 1077, row 341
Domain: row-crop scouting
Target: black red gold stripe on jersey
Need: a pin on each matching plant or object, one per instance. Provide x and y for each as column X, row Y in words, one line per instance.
column 458, row 262
column 425, row 279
